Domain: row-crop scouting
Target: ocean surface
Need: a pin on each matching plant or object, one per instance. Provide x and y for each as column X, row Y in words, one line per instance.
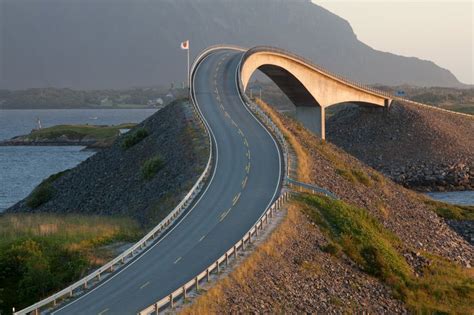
column 24, row 167
column 455, row 197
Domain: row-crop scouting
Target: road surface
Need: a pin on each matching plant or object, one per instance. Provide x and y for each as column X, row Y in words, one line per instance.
column 244, row 182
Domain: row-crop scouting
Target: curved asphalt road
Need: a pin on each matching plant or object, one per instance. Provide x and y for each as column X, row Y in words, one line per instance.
column 245, row 181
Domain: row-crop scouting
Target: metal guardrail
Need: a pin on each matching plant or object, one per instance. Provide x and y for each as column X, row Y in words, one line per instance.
column 96, row 276
column 433, row 107
column 247, row 238
column 182, row 291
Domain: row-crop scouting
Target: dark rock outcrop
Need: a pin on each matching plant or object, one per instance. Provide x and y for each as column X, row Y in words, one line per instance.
column 421, row 148
column 111, row 182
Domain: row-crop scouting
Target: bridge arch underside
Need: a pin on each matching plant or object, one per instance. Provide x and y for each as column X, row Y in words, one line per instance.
column 310, row 90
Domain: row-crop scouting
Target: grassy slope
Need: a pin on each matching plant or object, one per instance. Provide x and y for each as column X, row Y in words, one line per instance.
column 41, row 253
column 78, row 132
column 441, row 286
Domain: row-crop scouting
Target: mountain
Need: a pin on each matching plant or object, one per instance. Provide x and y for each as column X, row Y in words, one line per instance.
column 116, row 43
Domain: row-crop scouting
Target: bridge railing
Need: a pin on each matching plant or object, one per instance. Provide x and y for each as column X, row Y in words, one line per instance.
column 343, row 79
column 316, row 67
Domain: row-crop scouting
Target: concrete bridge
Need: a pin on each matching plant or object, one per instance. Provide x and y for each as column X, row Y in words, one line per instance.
column 311, row 88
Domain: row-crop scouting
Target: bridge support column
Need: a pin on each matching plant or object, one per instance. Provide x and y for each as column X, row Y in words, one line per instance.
column 313, row 118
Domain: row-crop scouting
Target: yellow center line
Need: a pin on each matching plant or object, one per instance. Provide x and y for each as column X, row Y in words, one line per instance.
column 245, row 142
column 236, row 198
column 234, row 123
column 176, row 261
column 248, row 154
column 202, row 237
column 103, row 312
column 145, row 284
column 244, row 182
column 241, row 133
column 224, row 214
column 227, row 114
column 247, row 168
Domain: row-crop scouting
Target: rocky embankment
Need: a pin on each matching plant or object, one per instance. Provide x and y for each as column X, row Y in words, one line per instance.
column 142, row 175
column 298, row 269
column 420, row 148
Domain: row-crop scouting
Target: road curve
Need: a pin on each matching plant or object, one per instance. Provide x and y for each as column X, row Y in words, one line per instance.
column 245, row 180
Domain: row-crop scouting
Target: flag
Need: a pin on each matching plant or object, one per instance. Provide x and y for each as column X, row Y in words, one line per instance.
column 185, row 45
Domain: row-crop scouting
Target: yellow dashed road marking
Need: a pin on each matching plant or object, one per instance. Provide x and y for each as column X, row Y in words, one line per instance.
column 103, row 312
column 244, row 182
column 224, row 214
column 247, row 168
column 245, row 142
column 248, row 154
column 176, row 261
column 202, row 237
column 241, row 133
column 236, row 198
column 145, row 284
column 234, row 123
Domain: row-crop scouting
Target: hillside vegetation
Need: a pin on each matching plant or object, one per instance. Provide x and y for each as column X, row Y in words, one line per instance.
column 42, row 253
column 143, row 175
column 378, row 249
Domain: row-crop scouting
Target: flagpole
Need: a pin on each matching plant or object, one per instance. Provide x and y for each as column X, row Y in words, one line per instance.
column 189, row 86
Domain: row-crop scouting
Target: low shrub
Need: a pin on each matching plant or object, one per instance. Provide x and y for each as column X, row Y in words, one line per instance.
column 151, row 167
column 44, row 191
column 134, row 137
column 40, row 195
column 443, row 287
column 452, row 212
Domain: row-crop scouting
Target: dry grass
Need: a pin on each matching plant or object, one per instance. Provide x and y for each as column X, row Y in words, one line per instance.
column 214, row 298
column 303, row 159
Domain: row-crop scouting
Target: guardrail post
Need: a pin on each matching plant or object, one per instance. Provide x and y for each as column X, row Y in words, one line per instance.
column 85, row 284
column 235, row 251
column 36, row 312
column 157, row 309
column 98, row 276
column 184, row 292
column 70, row 293
column 207, row 274
column 218, row 267
column 250, row 237
column 226, row 259
column 171, row 301
column 197, row 283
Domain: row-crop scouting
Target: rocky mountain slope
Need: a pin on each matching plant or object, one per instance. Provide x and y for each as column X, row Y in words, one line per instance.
column 122, row 43
column 418, row 147
column 333, row 256
column 143, row 175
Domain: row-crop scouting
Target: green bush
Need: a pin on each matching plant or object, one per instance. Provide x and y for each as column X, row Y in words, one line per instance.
column 40, row 195
column 134, row 137
column 151, row 167
column 44, row 191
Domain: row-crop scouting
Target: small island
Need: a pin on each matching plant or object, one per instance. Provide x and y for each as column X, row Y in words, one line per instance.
column 91, row 136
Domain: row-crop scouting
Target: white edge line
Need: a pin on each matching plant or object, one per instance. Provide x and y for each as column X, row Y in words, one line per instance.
column 175, row 225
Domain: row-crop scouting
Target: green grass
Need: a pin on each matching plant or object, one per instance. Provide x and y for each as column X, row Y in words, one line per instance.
column 444, row 287
column 453, row 212
column 133, row 137
column 43, row 253
column 152, row 166
column 78, row 132
column 354, row 176
column 43, row 192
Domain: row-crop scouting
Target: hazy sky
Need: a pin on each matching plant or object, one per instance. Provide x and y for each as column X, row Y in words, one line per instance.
column 437, row 30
